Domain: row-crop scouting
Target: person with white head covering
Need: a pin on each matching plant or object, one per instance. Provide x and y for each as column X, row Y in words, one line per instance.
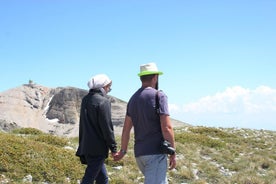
column 148, row 113
column 96, row 132
column 99, row 81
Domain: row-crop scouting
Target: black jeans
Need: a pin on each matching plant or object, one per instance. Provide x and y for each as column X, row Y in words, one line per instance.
column 95, row 171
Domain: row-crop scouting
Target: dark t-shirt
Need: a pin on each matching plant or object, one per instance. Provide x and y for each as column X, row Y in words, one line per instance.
column 146, row 122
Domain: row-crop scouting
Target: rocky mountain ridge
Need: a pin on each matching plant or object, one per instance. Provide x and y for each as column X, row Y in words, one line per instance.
column 52, row 110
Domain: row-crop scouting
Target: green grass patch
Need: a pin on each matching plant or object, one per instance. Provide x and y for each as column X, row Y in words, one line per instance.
column 204, row 155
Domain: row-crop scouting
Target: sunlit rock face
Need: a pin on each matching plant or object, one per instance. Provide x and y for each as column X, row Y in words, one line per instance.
column 52, row 110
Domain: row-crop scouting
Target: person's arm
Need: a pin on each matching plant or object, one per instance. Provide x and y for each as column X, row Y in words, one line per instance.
column 167, row 129
column 125, row 138
column 168, row 134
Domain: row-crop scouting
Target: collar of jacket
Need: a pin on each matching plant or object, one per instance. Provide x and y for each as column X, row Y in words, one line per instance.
column 100, row 91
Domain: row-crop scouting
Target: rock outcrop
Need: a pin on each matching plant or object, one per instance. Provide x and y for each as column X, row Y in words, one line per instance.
column 65, row 105
column 52, row 110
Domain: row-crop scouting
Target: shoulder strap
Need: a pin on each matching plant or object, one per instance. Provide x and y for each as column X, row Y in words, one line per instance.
column 157, row 108
column 157, row 105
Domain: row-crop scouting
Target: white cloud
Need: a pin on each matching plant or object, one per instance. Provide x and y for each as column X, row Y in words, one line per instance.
column 234, row 107
column 174, row 108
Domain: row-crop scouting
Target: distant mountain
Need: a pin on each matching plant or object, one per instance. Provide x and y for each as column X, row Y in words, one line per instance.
column 51, row 110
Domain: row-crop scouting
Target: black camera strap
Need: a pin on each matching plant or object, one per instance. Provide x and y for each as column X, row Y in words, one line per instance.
column 157, row 105
column 166, row 145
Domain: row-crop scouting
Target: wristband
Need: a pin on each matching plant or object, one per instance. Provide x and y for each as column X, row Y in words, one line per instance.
column 123, row 151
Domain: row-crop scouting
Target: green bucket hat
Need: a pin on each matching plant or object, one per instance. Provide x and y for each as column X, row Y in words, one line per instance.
column 148, row 69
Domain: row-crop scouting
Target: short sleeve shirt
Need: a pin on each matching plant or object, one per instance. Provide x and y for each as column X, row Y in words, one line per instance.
column 147, row 129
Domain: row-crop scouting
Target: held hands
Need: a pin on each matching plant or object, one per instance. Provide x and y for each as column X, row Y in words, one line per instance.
column 114, row 155
column 118, row 155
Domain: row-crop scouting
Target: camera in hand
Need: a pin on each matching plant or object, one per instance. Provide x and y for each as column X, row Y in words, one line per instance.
column 166, row 148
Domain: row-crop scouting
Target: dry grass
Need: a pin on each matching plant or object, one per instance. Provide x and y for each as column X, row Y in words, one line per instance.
column 204, row 155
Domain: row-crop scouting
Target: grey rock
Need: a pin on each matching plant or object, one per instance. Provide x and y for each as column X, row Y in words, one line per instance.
column 52, row 110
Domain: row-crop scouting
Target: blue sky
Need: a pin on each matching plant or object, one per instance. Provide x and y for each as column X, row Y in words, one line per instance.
column 218, row 57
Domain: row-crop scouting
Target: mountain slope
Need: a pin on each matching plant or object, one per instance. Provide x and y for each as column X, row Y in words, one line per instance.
column 204, row 156
column 51, row 110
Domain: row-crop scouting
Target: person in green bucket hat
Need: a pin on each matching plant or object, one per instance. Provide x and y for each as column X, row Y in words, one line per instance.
column 148, row 69
column 148, row 113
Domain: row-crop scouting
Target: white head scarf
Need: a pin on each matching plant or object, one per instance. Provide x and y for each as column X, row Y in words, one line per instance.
column 98, row 81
